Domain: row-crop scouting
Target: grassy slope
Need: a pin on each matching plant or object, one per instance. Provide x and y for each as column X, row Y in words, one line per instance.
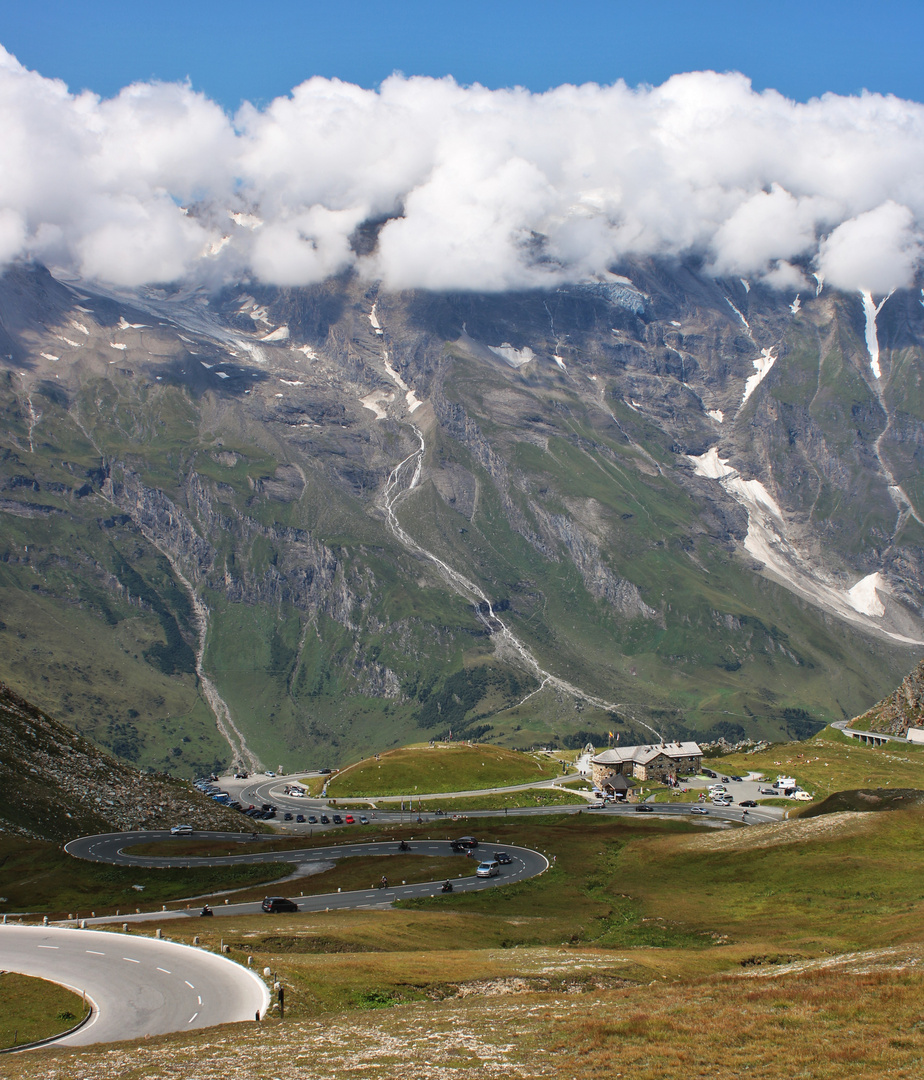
column 439, row 768
column 692, row 950
column 831, row 762
column 685, row 942
column 33, row 1009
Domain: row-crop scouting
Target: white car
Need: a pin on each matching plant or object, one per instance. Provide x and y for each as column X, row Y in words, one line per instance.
column 803, row 796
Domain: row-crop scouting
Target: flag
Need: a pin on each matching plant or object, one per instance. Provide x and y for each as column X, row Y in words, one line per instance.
column 611, row 735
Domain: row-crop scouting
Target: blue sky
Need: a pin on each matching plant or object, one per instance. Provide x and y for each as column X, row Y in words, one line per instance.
column 234, row 51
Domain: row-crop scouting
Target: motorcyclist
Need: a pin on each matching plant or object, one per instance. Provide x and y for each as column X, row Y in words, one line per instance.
column 383, row 884
column 404, row 846
column 447, row 886
column 206, row 910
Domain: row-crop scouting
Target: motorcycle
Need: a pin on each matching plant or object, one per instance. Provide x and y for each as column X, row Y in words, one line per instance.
column 447, row 886
column 404, row 846
column 206, row 911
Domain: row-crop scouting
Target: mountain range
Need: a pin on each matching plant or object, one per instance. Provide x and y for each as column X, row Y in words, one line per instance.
column 296, row 526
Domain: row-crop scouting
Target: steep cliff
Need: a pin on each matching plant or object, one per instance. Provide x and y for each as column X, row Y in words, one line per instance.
column 900, row 710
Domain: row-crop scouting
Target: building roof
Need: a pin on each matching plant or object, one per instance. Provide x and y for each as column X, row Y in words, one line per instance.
column 641, row 755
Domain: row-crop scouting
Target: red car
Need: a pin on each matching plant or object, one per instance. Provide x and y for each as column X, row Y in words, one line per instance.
column 349, row 819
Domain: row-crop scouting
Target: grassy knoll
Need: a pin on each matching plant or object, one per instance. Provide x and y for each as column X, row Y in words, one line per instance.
column 832, row 762
column 464, row 804
column 38, row 877
column 32, row 1009
column 442, row 767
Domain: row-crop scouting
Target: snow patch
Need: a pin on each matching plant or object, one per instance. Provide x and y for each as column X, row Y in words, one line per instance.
column 746, row 284
column 516, row 358
column 68, row 341
column 373, row 318
column 413, row 401
column 796, row 305
column 281, row 333
column 222, row 375
column 767, row 542
column 49, row 356
column 372, row 402
column 558, row 360
column 208, row 367
column 763, row 363
column 123, row 325
column 117, row 345
column 716, row 414
column 819, row 283
column 864, row 598
column 675, row 323
column 710, row 464
column 871, row 311
column 79, row 326
column 290, row 382
column 308, row 351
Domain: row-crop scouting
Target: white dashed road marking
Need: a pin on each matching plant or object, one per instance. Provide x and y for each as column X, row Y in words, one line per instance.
column 130, row 960
column 49, row 946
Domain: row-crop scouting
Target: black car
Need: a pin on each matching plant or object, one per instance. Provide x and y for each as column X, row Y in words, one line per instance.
column 323, row 772
column 300, row 818
column 338, row 820
column 747, row 802
column 288, row 817
column 466, row 841
column 278, row 903
column 708, row 772
column 502, row 857
column 737, row 779
column 643, row 808
column 325, row 820
column 312, row 820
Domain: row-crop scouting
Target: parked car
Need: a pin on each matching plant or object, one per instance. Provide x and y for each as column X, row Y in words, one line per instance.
column 287, row 817
column 312, row 820
column 300, row 818
column 737, row 780
column 803, row 796
column 726, row 779
column 363, row 820
column 747, row 802
column 181, row 830
column 502, row 857
column 323, row 772
column 768, row 791
column 488, row 869
column 278, row 903
column 269, row 773
column 325, row 820
column 708, row 772
column 241, row 776
column 350, row 820
column 338, row 820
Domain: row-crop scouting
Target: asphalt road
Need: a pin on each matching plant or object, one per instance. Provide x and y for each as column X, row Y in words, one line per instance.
column 116, row 848
column 137, row 986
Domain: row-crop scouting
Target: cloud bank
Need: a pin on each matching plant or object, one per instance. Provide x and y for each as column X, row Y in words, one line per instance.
column 479, row 189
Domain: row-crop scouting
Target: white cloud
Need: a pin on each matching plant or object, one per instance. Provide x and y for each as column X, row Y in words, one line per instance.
column 493, row 189
column 876, row 251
